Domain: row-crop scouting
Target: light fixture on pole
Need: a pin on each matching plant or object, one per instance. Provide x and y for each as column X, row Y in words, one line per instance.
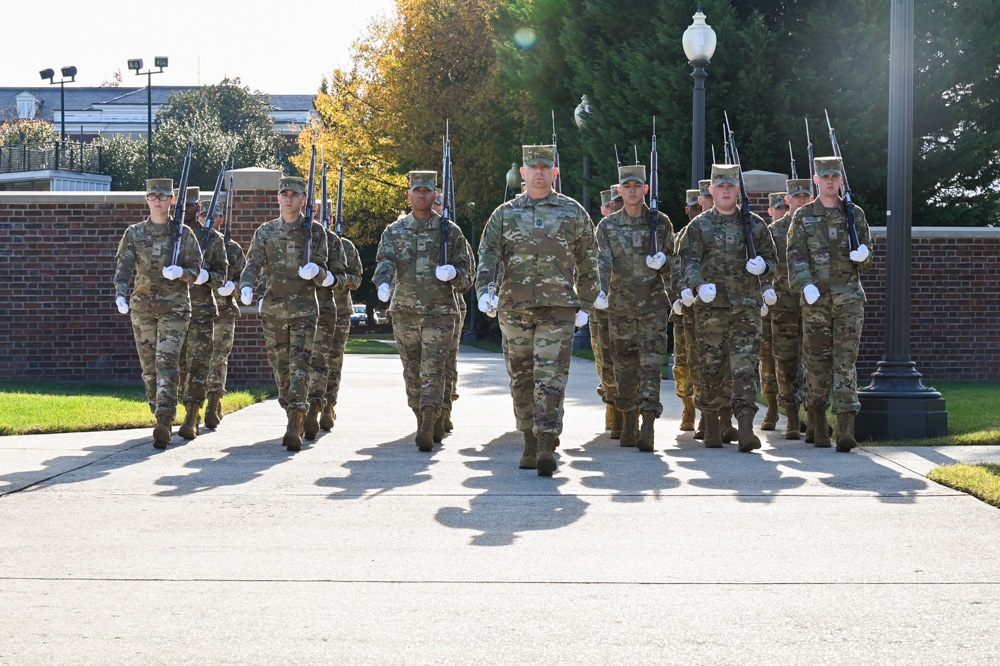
column 135, row 64
column 699, row 47
column 581, row 114
column 69, row 74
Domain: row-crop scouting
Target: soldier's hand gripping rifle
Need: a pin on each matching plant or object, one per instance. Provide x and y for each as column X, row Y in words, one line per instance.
column 177, row 224
column 744, row 199
column 792, row 156
column 206, row 231
column 324, row 207
column 446, row 202
column 852, row 230
column 654, row 192
column 812, row 167
column 555, row 144
column 310, row 204
column 339, row 227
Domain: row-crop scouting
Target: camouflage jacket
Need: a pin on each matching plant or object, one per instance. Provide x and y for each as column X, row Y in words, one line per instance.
column 410, row 252
column 623, row 245
column 228, row 307
column 819, row 254
column 352, row 277
column 336, row 260
column 214, row 261
column 277, row 248
column 542, row 253
column 714, row 250
column 144, row 250
column 460, row 295
column 787, row 299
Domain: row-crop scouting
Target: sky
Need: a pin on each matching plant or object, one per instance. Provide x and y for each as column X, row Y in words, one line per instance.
column 269, row 51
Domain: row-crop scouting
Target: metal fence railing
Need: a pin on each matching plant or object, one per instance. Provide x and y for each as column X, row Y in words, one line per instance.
column 55, row 155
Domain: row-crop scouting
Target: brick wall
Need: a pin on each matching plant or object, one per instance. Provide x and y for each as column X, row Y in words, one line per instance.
column 58, row 320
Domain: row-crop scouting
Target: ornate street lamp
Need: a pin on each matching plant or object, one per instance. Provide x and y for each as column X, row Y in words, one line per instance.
column 699, row 47
column 69, row 74
column 135, row 65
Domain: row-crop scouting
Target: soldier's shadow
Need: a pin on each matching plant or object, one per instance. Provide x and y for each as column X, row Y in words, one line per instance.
column 515, row 501
column 241, row 464
column 396, row 464
column 632, row 475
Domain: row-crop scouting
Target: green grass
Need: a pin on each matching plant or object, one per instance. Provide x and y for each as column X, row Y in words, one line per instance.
column 30, row 408
column 982, row 481
column 361, row 334
column 369, row 345
column 584, row 353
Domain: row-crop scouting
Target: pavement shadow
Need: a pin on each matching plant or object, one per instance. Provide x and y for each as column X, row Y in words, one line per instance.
column 241, row 464
column 632, row 475
column 515, row 501
column 396, row 464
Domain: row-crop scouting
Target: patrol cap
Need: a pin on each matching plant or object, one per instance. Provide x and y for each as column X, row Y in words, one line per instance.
column 426, row 179
column 616, row 191
column 703, row 187
column 725, row 173
column 828, row 165
column 798, row 186
column 192, row 195
column 632, row 172
column 293, row 183
column 605, row 197
column 535, row 154
column 776, row 200
column 692, row 197
column 160, row 186
column 439, row 199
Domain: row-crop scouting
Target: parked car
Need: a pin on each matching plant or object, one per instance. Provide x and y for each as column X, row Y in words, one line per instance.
column 380, row 317
column 359, row 317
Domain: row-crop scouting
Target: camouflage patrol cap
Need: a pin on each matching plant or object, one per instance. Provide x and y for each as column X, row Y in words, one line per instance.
column 725, row 173
column 293, row 183
column 703, row 188
column 426, row 179
column 535, row 154
column 776, row 200
column 692, row 197
column 160, row 186
column 828, row 165
column 192, row 195
column 632, row 172
column 605, row 197
column 616, row 191
column 798, row 186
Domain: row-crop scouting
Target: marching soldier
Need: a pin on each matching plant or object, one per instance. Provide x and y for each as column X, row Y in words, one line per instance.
column 637, row 303
column 824, row 269
column 542, row 244
column 600, row 343
column 289, row 309
column 776, row 208
column 424, row 307
column 345, row 305
column 160, row 303
column 682, row 317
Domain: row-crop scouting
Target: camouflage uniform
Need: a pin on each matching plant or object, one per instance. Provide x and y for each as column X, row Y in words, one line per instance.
column 451, row 381
column 326, row 323
column 342, row 297
column 196, row 354
column 225, row 325
column 683, row 381
column 768, row 380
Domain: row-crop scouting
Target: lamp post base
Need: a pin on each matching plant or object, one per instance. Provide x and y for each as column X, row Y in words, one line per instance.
column 896, row 405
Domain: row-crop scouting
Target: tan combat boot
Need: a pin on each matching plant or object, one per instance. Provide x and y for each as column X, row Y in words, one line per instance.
column 609, row 416
column 699, row 432
column 446, row 420
column 189, row 429
column 425, row 431
column 293, row 431
column 439, row 427
column 771, row 416
column 810, row 426
column 617, row 424
column 845, row 432
column 687, row 416
column 821, row 429
column 630, row 428
column 311, row 423
column 212, row 411
column 645, row 440
column 327, row 418
column 546, row 463
column 218, row 410
column 713, row 436
column 162, row 431
column 530, row 456
column 792, row 426
column 726, row 429
column 748, row 440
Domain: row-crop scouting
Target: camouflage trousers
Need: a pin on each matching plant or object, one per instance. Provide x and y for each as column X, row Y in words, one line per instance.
column 768, row 380
column 335, row 361
column 639, row 343
column 729, row 344
column 158, row 339
column 289, row 345
column 319, row 364
column 451, row 377
column 423, row 342
column 600, row 342
column 682, row 364
column 786, row 340
column 539, row 349
column 832, row 336
column 196, row 358
column 222, row 346
column 690, row 318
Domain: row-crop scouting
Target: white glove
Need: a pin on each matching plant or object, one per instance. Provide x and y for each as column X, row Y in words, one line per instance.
column 860, row 254
column 601, row 302
column 581, row 319
column 246, row 295
column 309, row 271
column 707, row 292
column 260, row 305
column 202, row 277
column 678, row 307
column 227, row 289
column 764, row 310
column 383, row 292
column 172, row 272
column 484, row 304
column 687, row 296
column 491, row 313
column 811, row 293
column 770, row 297
column 122, row 305
column 757, row 266
column 329, row 280
column 656, row 261
column 445, row 272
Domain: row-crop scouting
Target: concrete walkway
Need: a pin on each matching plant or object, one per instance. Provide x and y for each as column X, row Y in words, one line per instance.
column 359, row 549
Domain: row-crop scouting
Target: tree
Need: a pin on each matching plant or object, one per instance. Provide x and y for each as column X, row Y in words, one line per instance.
column 124, row 159
column 27, row 130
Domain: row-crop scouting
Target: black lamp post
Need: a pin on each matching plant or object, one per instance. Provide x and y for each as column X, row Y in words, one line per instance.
column 896, row 405
column 69, row 74
column 699, row 47
column 581, row 114
column 135, row 65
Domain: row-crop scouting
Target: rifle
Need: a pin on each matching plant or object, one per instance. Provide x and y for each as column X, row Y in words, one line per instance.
column 618, row 159
column 747, row 226
column 852, row 230
column 339, row 228
column 812, row 167
column 713, row 153
column 725, row 143
column 446, row 194
column 324, row 209
column 177, row 224
column 229, row 216
column 556, row 146
column 206, row 231
column 310, row 203
column 654, row 187
column 792, row 156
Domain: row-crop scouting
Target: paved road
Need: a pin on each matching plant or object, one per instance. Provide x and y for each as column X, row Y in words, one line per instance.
column 361, row 549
